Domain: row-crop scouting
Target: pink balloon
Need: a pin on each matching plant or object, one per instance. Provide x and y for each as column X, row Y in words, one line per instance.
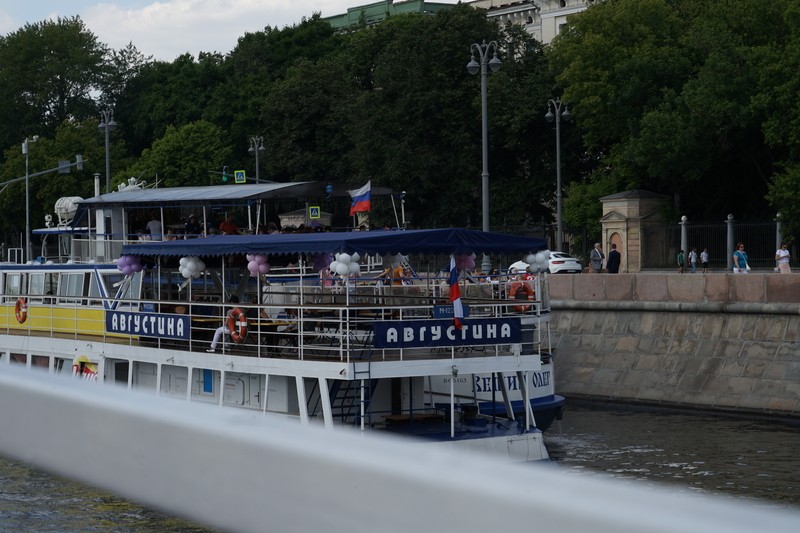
column 252, row 266
column 263, row 268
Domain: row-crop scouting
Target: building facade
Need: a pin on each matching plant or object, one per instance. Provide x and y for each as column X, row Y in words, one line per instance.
column 541, row 18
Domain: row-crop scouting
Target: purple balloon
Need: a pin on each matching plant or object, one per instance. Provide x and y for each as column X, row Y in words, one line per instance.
column 263, row 268
column 252, row 266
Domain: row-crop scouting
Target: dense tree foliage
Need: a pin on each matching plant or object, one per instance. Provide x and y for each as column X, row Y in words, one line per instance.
column 694, row 100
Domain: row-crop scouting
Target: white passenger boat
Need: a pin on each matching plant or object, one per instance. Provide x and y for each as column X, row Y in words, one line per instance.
column 315, row 340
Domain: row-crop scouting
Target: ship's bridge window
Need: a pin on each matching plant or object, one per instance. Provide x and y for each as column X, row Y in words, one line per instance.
column 13, row 286
column 71, row 288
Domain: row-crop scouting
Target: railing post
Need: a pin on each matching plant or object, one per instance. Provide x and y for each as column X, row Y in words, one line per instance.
column 731, row 244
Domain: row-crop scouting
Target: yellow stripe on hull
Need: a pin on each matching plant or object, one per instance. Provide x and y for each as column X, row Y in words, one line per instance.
column 60, row 320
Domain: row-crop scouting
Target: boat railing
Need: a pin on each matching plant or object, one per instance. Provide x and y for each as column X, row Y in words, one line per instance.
column 295, row 321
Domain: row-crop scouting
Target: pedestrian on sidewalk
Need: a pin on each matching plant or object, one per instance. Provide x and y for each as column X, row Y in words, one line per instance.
column 681, row 262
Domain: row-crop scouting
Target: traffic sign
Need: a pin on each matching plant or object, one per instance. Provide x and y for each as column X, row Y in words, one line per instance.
column 239, row 176
column 314, row 212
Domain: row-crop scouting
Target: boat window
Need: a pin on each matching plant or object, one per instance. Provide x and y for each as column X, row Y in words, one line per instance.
column 13, row 285
column 117, row 287
column 70, row 288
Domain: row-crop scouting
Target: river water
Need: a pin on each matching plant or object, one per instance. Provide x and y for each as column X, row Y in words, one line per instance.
column 755, row 460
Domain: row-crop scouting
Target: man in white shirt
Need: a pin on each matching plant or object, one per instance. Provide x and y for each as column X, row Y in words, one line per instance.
column 155, row 229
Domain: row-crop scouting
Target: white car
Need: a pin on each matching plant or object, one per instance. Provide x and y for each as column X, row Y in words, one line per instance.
column 561, row 263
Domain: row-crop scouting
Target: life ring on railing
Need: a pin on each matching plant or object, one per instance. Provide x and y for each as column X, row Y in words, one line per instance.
column 236, row 317
column 21, row 310
column 513, row 293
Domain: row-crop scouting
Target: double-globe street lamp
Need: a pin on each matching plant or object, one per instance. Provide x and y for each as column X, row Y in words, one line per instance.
column 25, row 151
column 107, row 125
column 256, row 146
column 554, row 111
column 483, row 50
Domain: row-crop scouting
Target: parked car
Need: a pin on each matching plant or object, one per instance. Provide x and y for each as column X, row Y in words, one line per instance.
column 561, row 263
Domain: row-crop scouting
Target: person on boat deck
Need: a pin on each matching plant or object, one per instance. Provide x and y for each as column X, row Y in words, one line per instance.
column 227, row 227
column 394, row 274
column 192, row 229
column 155, row 229
column 223, row 329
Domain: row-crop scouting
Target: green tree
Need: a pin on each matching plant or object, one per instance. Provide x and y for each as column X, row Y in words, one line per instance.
column 193, row 154
column 53, row 67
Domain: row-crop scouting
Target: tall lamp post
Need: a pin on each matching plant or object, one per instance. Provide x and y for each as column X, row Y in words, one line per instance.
column 554, row 112
column 107, row 125
column 256, row 146
column 482, row 50
column 25, row 150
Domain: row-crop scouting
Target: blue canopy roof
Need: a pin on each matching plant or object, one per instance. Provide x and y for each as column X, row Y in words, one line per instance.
column 432, row 241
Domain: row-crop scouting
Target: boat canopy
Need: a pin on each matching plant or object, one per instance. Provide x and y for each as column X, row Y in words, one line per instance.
column 427, row 241
column 181, row 196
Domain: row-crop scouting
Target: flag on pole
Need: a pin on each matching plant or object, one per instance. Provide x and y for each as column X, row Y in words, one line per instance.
column 362, row 200
column 455, row 294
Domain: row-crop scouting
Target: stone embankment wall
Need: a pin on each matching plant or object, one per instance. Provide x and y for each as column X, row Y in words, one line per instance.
column 707, row 341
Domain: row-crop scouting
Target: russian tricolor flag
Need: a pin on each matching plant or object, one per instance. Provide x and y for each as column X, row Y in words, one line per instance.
column 455, row 294
column 362, row 199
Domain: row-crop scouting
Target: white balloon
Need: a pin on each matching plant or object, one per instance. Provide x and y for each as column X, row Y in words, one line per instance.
column 184, row 260
column 530, row 259
column 355, row 257
column 334, row 266
column 344, row 258
column 540, row 259
column 342, row 269
column 354, row 268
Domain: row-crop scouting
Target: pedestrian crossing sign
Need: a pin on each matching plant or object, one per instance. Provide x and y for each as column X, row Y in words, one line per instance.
column 239, row 176
column 314, row 212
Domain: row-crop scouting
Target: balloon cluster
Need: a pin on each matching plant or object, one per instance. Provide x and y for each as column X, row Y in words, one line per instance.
column 465, row 262
column 128, row 264
column 191, row 267
column 345, row 264
column 538, row 261
column 258, row 264
column 321, row 261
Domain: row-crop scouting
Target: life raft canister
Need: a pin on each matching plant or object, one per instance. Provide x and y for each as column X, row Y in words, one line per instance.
column 21, row 310
column 237, row 325
column 514, row 294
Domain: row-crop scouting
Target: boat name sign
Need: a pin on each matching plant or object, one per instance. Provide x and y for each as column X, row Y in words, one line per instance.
column 160, row 325
column 427, row 333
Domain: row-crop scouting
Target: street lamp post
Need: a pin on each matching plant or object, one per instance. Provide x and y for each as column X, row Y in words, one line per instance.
column 555, row 105
column 483, row 50
column 25, row 150
column 256, row 146
column 107, row 125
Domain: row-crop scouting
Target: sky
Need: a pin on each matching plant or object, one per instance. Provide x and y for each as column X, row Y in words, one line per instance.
column 166, row 29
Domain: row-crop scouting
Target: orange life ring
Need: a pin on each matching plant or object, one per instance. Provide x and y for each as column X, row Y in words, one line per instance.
column 512, row 294
column 236, row 317
column 21, row 310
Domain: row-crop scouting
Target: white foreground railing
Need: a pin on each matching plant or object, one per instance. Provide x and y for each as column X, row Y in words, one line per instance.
column 242, row 472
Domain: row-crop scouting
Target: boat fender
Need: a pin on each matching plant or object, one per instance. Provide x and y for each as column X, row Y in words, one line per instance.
column 520, row 286
column 21, row 310
column 237, row 325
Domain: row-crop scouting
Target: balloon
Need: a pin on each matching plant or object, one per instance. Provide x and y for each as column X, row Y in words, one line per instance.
column 250, row 257
column 334, row 266
column 469, row 264
column 354, row 268
column 136, row 267
column 342, row 269
column 184, row 261
column 540, row 259
column 530, row 259
column 355, row 257
column 344, row 258
column 252, row 267
column 263, row 268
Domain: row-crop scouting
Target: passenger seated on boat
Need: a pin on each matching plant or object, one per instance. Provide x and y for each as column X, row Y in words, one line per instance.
column 223, row 329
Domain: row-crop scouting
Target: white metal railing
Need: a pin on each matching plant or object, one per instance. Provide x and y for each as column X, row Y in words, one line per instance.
column 306, row 321
column 246, row 472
